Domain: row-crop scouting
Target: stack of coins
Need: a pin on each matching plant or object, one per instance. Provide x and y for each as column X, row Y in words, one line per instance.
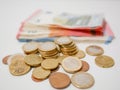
column 67, row 46
column 48, row 50
column 30, row 47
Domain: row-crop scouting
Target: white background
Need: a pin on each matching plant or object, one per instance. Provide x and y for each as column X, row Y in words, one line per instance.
column 13, row 12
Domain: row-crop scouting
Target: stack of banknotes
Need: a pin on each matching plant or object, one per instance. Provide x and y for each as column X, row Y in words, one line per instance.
column 46, row 26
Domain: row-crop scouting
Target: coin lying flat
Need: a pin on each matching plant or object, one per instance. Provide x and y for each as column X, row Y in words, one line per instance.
column 14, row 57
column 71, row 64
column 18, row 67
column 60, row 58
column 70, row 48
column 55, row 70
column 49, row 53
column 69, row 53
column 71, row 44
column 82, row 80
column 85, row 66
column 47, row 46
column 51, row 56
column 35, row 79
column 59, row 80
column 63, row 41
column 40, row 73
column 4, row 60
column 104, row 61
column 30, row 47
column 33, row 59
column 80, row 54
column 94, row 50
column 33, row 52
column 49, row 64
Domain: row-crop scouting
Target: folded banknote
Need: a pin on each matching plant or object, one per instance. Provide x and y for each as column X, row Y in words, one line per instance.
column 42, row 35
column 46, row 26
column 65, row 20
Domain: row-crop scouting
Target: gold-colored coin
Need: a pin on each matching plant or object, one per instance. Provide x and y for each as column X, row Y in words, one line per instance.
column 49, row 64
column 14, row 57
column 18, row 67
column 72, row 44
column 49, row 51
column 67, row 46
column 33, row 52
column 40, row 73
column 63, row 41
column 82, row 80
column 60, row 58
column 71, row 64
column 104, row 61
column 69, row 49
column 56, row 69
column 47, row 46
column 30, row 47
column 70, row 53
column 50, row 54
column 75, row 50
column 94, row 50
column 80, row 54
column 33, row 59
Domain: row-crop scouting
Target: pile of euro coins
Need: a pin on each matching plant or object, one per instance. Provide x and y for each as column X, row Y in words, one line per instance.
column 67, row 46
column 47, row 57
column 61, row 46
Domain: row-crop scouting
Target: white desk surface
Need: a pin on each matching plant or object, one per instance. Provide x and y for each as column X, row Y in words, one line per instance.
column 13, row 12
